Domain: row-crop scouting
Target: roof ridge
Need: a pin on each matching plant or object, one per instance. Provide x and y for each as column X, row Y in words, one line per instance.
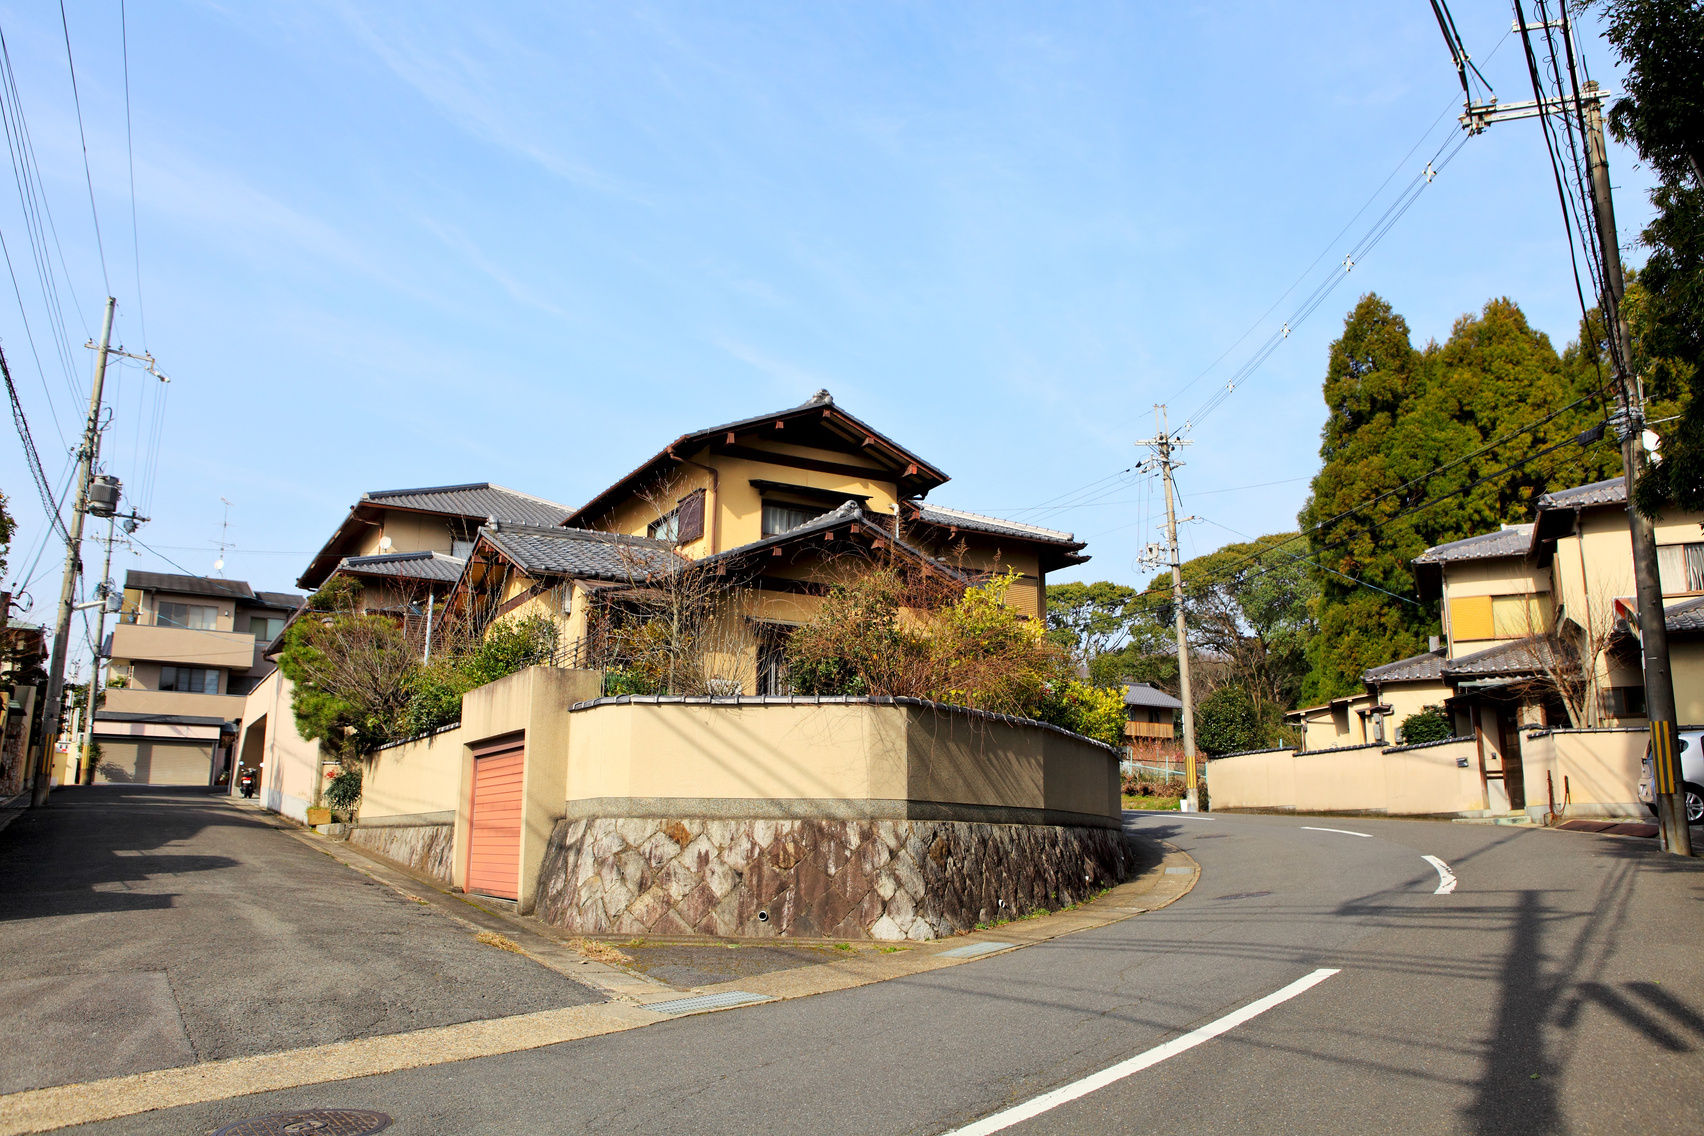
column 1068, row 536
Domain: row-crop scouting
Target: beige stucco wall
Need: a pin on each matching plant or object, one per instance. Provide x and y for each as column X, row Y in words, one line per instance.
column 1686, row 664
column 409, row 532
column 290, row 772
column 1412, row 782
column 1593, row 772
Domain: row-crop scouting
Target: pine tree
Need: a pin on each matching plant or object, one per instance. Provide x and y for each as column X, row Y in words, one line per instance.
column 1396, row 415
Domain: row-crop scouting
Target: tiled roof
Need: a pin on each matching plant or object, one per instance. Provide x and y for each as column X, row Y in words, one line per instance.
column 1512, row 541
column 581, row 553
column 958, row 518
column 479, row 499
column 289, row 600
column 848, row 513
column 1612, row 491
column 1415, row 668
column 407, row 566
column 189, row 585
column 1517, row 657
column 1141, row 694
column 1685, row 616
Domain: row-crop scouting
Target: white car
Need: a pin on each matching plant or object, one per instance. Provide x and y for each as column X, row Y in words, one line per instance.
column 1691, row 773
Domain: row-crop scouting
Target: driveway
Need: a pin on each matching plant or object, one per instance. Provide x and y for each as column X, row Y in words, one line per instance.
column 145, row 928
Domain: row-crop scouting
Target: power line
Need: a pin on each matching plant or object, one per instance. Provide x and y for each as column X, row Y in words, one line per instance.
column 88, row 176
column 30, row 455
column 130, row 152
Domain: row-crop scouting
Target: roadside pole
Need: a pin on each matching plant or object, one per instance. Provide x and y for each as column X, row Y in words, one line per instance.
column 88, row 456
column 1163, row 444
column 95, row 686
column 1629, row 423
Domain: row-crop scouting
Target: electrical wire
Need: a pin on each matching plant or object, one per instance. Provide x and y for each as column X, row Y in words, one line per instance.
column 130, row 154
column 30, row 455
column 88, row 175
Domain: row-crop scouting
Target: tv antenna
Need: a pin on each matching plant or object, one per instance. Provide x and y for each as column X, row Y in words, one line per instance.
column 224, row 545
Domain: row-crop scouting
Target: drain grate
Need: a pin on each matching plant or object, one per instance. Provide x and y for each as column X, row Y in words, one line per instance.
column 311, row 1122
column 721, row 1001
column 971, row 950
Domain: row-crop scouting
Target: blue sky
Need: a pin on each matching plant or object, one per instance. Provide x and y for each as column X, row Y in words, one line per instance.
column 435, row 243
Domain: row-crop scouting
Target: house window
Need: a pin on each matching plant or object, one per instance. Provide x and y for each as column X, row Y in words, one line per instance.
column 196, row 617
column 1516, row 617
column 778, row 519
column 665, row 528
column 265, row 627
column 1680, row 567
column 1625, row 701
column 461, row 549
column 190, row 680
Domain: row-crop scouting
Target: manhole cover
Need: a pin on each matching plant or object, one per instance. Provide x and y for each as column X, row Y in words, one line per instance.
column 312, row 1122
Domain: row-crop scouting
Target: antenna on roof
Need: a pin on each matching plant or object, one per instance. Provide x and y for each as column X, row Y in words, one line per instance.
column 224, row 545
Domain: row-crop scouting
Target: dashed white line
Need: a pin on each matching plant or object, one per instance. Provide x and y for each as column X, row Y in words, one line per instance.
column 1046, row 1102
column 1340, row 831
column 1446, row 878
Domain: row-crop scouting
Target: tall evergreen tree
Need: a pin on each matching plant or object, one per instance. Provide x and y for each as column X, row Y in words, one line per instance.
column 1396, row 414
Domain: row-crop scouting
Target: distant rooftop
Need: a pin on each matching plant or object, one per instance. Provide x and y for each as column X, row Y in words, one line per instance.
column 1415, row 668
column 478, row 499
column 941, row 515
column 1511, row 541
column 1612, row 491
column 581, row 553
column 1142, row 694
column 435, row 566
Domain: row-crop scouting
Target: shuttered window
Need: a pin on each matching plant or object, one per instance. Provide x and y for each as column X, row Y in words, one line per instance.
column 1470, row 618
column 690, row 517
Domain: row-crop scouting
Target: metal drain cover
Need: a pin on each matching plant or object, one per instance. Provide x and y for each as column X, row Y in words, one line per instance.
column 310, row 1122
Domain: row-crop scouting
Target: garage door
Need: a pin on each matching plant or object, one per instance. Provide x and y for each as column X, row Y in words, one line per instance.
column 494, row 848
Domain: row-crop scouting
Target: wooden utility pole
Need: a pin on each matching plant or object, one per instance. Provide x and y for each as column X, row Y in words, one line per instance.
column 88, row 457
column 1163, row 444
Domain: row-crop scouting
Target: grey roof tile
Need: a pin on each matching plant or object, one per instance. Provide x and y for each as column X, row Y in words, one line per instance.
column 1141, row 694
column 1415, row 668
column 1512, row 541
column 189, row 585
column 1516, row 657
column 582, row 553
column 407, row 566
column 289, row 600
column 1685, row 616
column 478, row 499
column 1612, row 491
column 958, row 518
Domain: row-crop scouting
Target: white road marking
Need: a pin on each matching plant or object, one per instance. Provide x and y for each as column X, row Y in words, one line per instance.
column 1446, row 878
column 1046, row 1102
column 1342, row 831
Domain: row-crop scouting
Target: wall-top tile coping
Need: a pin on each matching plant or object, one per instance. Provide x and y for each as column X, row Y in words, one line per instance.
column 1546, row 732
column 1428, row 745
column 1251, row 752
column 746, row 700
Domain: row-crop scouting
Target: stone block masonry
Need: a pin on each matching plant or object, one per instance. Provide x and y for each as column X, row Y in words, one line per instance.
column 816, row 878
column 428, row 848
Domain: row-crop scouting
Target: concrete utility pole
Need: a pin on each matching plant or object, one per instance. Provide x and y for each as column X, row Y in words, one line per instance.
column 1163, row 444
column 88, row 457
column 1629, row 423
column 106, row 605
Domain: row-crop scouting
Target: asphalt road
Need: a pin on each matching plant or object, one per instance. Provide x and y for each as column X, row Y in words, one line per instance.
column 147, row 928
column 1560, row 988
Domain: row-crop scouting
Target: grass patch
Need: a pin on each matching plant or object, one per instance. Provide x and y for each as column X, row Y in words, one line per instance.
column 1160, row 803
column 501, row 942
column 843, row 946
column 598, row 952
column 892, row 950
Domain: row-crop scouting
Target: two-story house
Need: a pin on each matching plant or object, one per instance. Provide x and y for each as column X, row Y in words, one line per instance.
column 1540, row 629
column 184, row 654
column 772, row 506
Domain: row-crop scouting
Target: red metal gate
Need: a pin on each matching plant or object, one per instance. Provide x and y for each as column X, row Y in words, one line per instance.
column 494, row 844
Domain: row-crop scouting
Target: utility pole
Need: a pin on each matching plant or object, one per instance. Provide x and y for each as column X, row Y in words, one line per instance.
column 1162, row 444
column 1585, row 107
column 106, row 605
column 88, row 456
column 1630, row 425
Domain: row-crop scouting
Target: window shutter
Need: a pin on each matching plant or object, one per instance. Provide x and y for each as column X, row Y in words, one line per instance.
column 1470, row 618
column 691, row 512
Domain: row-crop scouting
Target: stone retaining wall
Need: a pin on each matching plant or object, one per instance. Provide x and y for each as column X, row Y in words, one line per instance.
column 428, row 848
column 816, row 878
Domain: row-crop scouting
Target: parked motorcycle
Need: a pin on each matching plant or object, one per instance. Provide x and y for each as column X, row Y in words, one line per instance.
column 248, row 783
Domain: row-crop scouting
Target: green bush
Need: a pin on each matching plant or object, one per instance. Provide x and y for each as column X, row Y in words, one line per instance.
column 1093, row 711
column 1226, row 721
column 1428, row 724
column 344, row 791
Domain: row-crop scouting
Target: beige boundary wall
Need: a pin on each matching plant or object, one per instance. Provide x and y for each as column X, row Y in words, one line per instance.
column 805, row 774
column 1592, row 772
column 1420, row 780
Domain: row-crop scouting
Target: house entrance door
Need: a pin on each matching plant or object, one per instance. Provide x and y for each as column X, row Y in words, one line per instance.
column 494, row 841
column 1509, row 741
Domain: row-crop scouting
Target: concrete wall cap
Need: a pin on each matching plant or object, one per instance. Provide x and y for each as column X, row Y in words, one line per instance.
column 748, row 700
